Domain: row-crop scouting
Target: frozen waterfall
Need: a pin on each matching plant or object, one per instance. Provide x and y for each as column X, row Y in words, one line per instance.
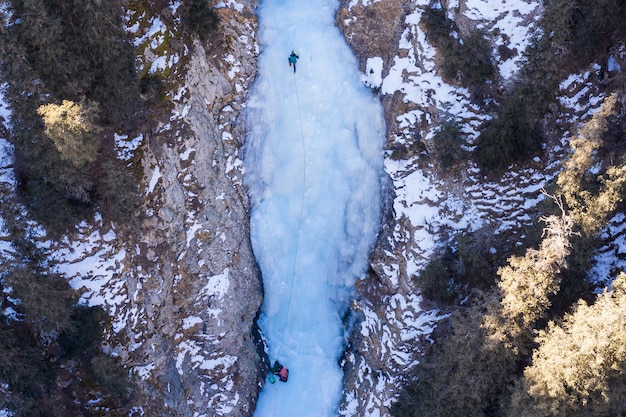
column 313, row 161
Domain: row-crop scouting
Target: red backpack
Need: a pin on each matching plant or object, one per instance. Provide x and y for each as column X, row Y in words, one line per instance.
column 283, row 374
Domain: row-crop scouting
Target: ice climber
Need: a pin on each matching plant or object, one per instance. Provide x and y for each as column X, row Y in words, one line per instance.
column 280, row 370
column 293, row 58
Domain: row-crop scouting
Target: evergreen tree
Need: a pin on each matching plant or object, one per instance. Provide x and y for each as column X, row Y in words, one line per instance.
column 590, row 197
column 573, row 34
column 468, row 374
column 579, row 368
column 70, row 126
column 475, row 367
column 74, row 54
column 49, row 338
column 526, row 285
column 592, row 185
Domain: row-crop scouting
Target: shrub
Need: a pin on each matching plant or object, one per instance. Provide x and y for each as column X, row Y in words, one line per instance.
column 45, row 298
column 22, row 368
column 476, row 67
column 448, row 144
column 152, row 89
column 111, row 376
column 118, row 193
column 469, row 374
column 437, row 283
column 527, row 285
column 595, row 26
column 466, row 60
column 201, row 18
column 52, row 337
column 590, row 196
column 473, row 370
column 582, row 188
column 438, row 27
column 511, row 136
column 466, row 264
column 86, row 331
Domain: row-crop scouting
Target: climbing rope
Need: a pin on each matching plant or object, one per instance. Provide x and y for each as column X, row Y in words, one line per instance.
column 295, row 82
column 295, row 259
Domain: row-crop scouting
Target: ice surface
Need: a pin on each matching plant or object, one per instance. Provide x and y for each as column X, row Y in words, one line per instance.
column 313, row 162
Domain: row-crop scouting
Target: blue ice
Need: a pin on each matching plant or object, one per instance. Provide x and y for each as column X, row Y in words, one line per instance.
column 313, row 161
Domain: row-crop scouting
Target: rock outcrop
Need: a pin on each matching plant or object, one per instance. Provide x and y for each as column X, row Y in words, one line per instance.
column 184, row 291
column 200, row 290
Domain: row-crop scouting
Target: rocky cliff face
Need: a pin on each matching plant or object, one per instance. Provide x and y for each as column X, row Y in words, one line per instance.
column 185, row 291
column 200, row 289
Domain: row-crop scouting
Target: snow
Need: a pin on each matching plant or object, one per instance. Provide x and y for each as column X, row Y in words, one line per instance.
column 494, row 9
column 175, row 5
column 144, row 371
column 5, row 112
column 190, row 322
column 510, row 18
column 7, row 13
column 91, row 263
column 191, row 229
column 612, row 65
column 413, row 74
column 187, row 153
column 126, row 147
column 313, row 163
column 425, row 203
column 7, row 176
column 156, row 175
column 152, row 38
column 363, row 3
column 157, row 27
column 232, row 4
column 427, row 210
column 217, row 285
column 162, row 63
column 580, row 96
column 610, row 259
column 373, row 72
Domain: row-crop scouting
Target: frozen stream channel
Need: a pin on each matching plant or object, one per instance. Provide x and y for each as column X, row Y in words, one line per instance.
column 313, row 164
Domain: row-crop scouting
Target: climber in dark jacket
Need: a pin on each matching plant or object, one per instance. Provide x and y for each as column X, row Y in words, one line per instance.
column 276, row 368
column 293, row 58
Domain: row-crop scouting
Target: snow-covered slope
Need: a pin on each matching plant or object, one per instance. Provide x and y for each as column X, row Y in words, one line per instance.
column 427, row 208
